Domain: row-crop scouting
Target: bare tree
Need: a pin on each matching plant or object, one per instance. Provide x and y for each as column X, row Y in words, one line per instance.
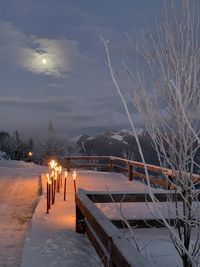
column 51, row 146
column 167, row 96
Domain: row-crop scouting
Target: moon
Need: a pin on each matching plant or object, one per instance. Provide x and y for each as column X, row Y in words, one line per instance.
column 44, row 61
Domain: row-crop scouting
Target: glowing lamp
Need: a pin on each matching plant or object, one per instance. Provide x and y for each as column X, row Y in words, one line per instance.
column 59, row 169
column 74, row 175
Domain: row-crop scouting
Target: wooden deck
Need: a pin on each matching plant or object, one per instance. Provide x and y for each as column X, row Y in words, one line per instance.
column 95, row 181
column 61, row 219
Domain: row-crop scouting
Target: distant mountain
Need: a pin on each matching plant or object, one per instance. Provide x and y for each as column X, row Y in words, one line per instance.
column 117, row 143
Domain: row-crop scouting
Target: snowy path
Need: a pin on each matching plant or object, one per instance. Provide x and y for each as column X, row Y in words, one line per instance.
column 18, row 193
column 51, row 240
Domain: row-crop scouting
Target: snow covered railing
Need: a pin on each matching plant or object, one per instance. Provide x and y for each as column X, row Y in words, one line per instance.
column 112, row 247
column 151, row 220
column 133, row 169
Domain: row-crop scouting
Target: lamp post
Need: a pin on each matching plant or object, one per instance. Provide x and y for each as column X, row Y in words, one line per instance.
column 54, row 186
column 53, row 165
column 74, row 179
column 61, row 177
column 48, row 193
column 65, row 185
column 30, row 154
column 59, row 181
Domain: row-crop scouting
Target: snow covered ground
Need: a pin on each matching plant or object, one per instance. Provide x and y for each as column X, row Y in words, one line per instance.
column 51, row 240
column 18, row 196
column 55, row 244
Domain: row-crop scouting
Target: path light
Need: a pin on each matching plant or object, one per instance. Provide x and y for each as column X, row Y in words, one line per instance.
column 65, row 185
column 56, row 177
column 59, row 181
column 60, row 174
column 53, row 164
column 52, row 174
column 54, row 183
column 74, row 179
column 48, row 193
column 74, row 175
column 29, row 156
column 52, row 187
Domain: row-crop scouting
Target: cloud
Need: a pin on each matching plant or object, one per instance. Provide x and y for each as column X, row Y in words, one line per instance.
column 55, row 57
column 50, row 57
column 51, row 103
column 9, row 35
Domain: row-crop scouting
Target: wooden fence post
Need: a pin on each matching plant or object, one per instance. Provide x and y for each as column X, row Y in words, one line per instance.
column 68, row 164
column 130, row 172
column 111, row 260
column 111, row 165
column 80, row 221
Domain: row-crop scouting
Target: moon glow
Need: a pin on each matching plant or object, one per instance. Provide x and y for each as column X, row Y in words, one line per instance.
column 44, row 61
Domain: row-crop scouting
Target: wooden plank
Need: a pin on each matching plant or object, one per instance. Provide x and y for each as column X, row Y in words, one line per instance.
column 102, row 197
column 144, row 223
column 80, row 221
column 122, row 168
column 96, row 226
column 141, row 165
column 119, row 159
column 154, row 168
column 121, row 251
column 153, row 180
column 88, row 158
column 89, row 165
column 96, row 242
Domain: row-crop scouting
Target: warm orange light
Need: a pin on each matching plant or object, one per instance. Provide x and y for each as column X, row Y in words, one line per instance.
column 74, row 175
column 30, row 153
column 52, row 173
column 53, row 164
column 48, row 179
column 65, row 174
column 59, row 169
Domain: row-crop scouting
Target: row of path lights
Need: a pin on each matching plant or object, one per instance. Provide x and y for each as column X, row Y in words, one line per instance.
column 55, row 183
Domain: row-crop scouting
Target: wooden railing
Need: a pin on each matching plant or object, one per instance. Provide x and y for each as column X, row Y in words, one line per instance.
column 133, row 169
column 112, row 247
column 158, row 176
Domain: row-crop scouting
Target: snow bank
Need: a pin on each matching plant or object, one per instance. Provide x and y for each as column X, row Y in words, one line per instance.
column 18, row 194
column 15, row 164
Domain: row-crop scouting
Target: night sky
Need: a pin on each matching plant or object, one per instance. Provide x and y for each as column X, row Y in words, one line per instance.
column 53, row 63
